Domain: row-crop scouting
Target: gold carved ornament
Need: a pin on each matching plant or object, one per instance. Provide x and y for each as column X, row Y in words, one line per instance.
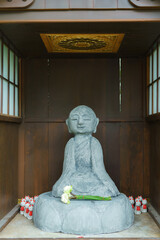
column 82, row 43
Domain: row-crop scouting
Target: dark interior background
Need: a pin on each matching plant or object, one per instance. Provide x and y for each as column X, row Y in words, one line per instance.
column 31, row 153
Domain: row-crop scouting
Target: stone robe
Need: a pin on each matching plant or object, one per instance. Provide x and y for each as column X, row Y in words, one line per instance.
column 84, row 169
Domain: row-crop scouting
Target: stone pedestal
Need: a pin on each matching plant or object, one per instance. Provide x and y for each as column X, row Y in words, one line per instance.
column 82, row 216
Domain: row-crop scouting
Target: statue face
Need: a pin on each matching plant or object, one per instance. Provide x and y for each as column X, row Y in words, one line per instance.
column 82, row 120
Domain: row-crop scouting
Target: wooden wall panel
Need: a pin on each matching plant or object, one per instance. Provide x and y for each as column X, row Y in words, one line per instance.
column 132, row 88
column 58, row 138
column 36, row 88
column 146, row 163
column 92, row 82
column 131, row 158
column 8, row 167
column 113, row 151
column 108, row 135
column 21, row 163
column 36, row 158
column 112, row 90
column 155, row 165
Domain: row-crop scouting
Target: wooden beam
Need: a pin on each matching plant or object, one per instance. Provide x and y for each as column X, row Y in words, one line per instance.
column 80, row 16
column 9, row 118
column 7, row 218
column 154, row 214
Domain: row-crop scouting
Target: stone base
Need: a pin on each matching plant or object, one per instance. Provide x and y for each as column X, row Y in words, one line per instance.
column 82, row 216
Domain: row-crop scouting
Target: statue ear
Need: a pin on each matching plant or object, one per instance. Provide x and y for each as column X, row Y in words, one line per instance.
column 67, row 123
column 96, row 124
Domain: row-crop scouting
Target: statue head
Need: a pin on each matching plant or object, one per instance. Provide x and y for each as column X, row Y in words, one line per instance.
column 82, row 120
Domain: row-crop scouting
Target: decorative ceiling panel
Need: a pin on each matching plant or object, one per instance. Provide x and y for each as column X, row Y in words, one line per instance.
column 82, row 43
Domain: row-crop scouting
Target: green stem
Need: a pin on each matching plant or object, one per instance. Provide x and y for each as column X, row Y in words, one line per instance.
column 88, row 197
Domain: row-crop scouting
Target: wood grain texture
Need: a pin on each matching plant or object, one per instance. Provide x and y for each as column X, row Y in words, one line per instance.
column 81, row 4
column 112, row 89
column 8, row 167
column 56, row 4
column 113, row 151
column 131, row 158
column 132, row 88
column 21, row 163
column 155, row 165
column 147, row 154
column 109, row 136
column 36, row 88
column 36, row 158
column 92, row 82
column 58, row 137
column 74, row 86
column 105, row 4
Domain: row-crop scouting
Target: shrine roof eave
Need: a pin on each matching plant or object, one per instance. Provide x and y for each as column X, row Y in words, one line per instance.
column 80, row 16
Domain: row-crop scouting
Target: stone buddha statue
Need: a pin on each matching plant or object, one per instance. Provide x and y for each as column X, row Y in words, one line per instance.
column 83, row 166
column 84, row 169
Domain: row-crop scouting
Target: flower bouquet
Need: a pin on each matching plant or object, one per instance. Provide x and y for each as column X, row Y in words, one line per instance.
column 67, row 195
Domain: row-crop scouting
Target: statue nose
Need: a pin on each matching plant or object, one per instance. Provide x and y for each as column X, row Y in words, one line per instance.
column 80, row 120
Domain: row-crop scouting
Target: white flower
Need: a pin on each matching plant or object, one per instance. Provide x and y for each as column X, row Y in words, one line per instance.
column 65, row 198
column 67, row 189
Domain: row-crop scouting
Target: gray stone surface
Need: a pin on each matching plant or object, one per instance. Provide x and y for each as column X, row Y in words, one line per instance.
column 20, row 227
column 83, row 166
column 84, row 169
column 82, row 216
